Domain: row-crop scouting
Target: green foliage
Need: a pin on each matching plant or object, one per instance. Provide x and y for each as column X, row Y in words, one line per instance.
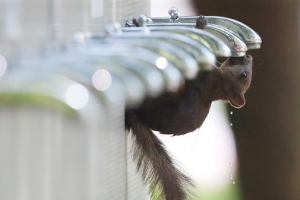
column 231, row 192
column 34, row 99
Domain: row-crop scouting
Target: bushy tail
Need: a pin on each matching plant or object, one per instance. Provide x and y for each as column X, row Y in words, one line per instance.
column 158, row 170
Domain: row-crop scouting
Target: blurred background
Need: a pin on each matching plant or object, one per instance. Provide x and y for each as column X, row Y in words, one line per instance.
column 266, row 129
column 246, row 154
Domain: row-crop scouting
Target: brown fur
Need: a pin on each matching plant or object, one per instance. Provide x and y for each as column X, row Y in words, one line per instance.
column 201, row 22
column 158, row 169
column 135, row 22
column 179, row 113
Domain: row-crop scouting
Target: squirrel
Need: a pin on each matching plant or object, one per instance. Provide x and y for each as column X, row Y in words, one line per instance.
column 178, row 113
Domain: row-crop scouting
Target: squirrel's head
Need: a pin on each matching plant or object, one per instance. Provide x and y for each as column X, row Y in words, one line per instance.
column 238, row 72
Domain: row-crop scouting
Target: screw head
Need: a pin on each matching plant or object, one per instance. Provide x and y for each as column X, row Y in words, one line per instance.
column 172, row 10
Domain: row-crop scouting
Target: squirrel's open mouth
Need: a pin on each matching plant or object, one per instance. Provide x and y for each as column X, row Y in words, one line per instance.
column 236, row 105
column 238, row 102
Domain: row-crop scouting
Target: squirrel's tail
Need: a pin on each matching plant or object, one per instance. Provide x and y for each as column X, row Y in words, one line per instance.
column 158, row 170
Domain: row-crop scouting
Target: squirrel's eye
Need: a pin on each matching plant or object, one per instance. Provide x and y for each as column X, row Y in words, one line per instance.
column 243, row 74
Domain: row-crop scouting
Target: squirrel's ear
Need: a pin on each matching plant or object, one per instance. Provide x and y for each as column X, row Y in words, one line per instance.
column 237, row 101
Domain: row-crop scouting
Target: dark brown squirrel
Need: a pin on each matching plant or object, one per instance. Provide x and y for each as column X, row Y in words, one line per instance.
column 178, row 113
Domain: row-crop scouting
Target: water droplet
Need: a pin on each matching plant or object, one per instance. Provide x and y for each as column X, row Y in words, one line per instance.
column 231, row 124
column 233, row 183
column 231, row 113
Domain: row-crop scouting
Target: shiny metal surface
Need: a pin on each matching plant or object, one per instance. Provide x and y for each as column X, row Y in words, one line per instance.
column 214, row 44
column 119, row 61
column 237, row 46
column 171, row 76
column 185, row 62
column 117, row 84
column 247, row 34
column 199, row 52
